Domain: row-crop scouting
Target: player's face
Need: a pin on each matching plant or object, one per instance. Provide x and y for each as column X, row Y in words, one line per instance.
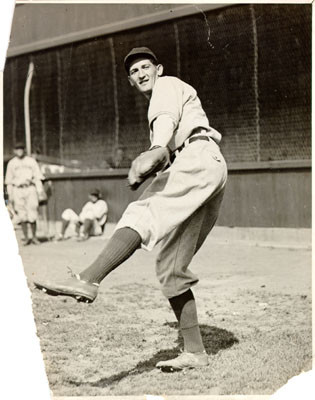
column 93, row 198
column 19, row 153
column 143, row 75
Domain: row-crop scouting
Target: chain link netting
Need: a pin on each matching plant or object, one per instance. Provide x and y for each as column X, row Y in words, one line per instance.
column 251, row 66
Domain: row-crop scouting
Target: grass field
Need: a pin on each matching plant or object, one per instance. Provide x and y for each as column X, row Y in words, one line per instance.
column 254, row 308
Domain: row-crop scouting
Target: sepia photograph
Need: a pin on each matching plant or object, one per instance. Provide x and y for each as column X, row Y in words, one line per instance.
column 157, row 180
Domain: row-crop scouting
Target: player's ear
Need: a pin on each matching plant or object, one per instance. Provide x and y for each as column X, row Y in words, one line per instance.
column 160, row 69
column 130, row 81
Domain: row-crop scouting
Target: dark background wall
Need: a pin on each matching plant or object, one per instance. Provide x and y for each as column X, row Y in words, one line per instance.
column 251, row 66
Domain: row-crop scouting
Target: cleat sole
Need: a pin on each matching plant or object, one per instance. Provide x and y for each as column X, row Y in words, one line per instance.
column 169, row 369
column 51, row 292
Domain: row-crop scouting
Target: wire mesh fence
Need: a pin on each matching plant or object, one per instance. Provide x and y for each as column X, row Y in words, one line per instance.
column 250, row 64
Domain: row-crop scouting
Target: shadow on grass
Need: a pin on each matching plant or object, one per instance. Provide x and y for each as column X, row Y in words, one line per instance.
column 214, row 339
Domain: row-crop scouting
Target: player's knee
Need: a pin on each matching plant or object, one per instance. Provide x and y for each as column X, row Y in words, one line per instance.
column 32, row 217
column 69, row 215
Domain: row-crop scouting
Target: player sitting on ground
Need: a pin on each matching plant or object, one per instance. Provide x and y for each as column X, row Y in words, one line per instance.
column 91, row 219
column 177, row 210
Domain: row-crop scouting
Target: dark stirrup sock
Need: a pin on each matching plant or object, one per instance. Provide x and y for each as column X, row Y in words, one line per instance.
column 64, row 226
column 24, row 229
column 33, row 228
column 87, row 226
column 184, row 307
column 121, row 246
column 77, row 228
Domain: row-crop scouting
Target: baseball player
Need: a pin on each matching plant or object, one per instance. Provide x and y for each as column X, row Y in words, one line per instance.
column 118, row 159
column 177, row 210
column 92, row 218
column 24, row 187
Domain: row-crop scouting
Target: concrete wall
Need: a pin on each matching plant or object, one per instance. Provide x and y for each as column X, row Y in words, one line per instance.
column 264, row 197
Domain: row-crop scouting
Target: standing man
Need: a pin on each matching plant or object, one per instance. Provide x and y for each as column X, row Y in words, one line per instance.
column 92, row 218
column 177, row 210
column 24, row 186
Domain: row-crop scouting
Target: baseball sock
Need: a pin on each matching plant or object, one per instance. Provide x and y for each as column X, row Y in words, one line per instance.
column 121, row 246
column 77, row 228
column 87, row 226
column 24, row 229
column 64, row 226
column 33, row 228
column 184, row 307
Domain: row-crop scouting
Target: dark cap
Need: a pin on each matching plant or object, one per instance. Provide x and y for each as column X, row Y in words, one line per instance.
column 19, row 145
column 137, row 52
column 95, row 192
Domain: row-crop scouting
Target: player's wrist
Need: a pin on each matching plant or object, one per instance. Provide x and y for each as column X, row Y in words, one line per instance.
column 158, row 146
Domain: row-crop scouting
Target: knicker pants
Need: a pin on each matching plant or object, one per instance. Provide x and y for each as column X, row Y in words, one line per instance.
column 72, row 216
column 26, row 203
column 178, row 209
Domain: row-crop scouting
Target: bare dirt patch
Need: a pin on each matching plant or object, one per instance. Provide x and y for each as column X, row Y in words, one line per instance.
column 254, row 308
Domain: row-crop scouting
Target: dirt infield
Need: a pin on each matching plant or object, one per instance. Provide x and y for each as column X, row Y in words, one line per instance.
column 254, row 308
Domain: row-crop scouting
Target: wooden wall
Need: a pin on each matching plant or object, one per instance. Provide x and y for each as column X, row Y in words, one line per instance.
column 255, row 197
column 262, row 198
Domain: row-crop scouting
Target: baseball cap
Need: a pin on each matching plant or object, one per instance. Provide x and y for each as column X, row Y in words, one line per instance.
column 95, row 192
column 19, row 145
column 137, row 52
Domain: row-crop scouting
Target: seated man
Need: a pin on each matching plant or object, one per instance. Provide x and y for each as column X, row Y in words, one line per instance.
column 92, row 217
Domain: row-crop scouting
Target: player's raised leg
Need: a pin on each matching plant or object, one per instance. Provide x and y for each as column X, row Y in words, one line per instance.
column 84, row 286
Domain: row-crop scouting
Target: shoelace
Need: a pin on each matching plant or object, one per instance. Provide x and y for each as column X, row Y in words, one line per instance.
column 72, row 274
column 77, row 276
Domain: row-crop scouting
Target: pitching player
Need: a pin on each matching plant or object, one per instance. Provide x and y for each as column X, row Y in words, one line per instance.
column 177, row 210
column 92, row 218
column 24, row 186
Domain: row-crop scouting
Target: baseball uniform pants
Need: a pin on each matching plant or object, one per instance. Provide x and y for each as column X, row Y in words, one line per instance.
column 71, row 216
column 178, row 209
column 25, row 203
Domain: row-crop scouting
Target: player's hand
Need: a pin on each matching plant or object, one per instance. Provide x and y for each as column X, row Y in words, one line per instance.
column 147, row 164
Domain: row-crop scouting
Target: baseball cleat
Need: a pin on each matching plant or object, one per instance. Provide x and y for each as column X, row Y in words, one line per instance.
column 184, row 361
column 35, row 240
column 59, row 237
column 83, row 238
column 74, row 287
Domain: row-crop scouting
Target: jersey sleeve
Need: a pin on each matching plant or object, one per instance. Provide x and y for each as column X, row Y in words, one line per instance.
column 166, row 99
column 37, row 174
column 87, row 207
column 9, row 174
column 100, row 209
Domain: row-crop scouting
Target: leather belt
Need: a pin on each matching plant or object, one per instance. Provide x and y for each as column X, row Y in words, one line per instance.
column 192, row 139
column 187, row 142
column 23, row 186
